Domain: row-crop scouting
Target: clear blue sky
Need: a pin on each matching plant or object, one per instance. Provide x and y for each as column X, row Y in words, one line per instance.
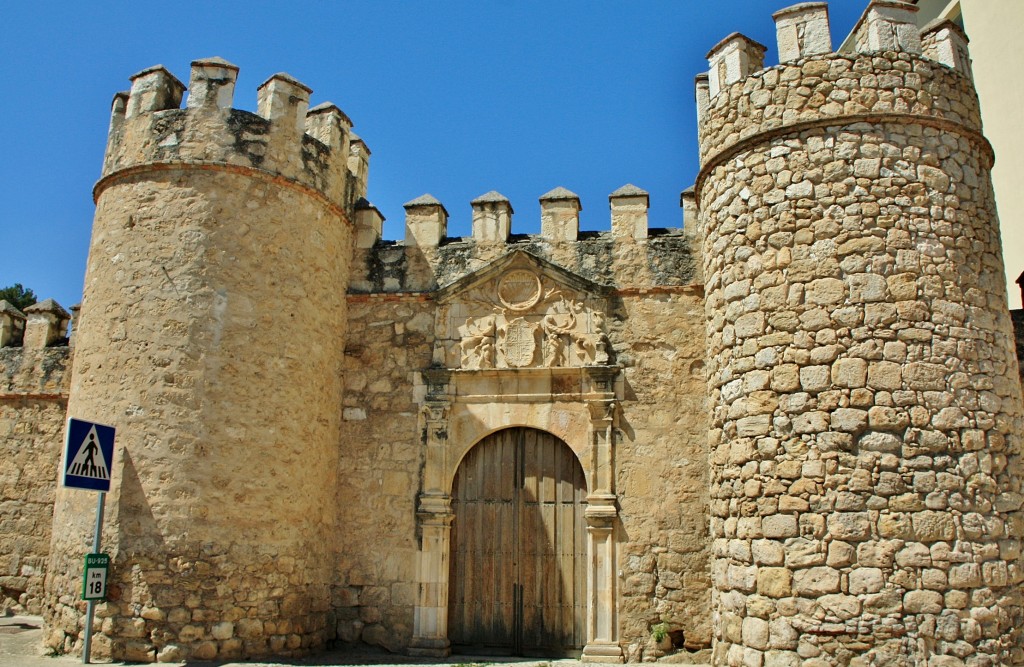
column 453, row 98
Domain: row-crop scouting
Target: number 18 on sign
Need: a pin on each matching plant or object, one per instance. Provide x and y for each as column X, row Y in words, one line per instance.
column 94, row 584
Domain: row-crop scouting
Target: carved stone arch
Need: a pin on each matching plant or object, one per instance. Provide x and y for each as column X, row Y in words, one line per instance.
column 569, row 423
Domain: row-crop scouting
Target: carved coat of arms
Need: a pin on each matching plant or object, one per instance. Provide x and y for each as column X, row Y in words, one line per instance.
column 520, row 343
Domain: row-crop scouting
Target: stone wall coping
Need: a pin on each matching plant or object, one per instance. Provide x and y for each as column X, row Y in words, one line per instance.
column 941, row 23
column 152, row 69
column 325, row 107
column 799, row 7
column 629, row 190
column 733, row 37
column 363, row 204
column 423, row 200
column 7, row 308
column 214, row 61
column 492, row 197
column 559, row 193
column 47, row 306
column 286, row 78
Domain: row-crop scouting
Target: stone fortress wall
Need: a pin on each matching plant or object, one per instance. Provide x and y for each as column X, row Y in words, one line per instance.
column 797, row 412
column 35, row 373
column 865, row 470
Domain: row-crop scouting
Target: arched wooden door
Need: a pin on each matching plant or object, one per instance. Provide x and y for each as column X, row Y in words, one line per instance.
column 519, row 549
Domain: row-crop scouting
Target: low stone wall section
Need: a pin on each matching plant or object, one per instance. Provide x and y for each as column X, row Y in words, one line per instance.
column 33, row 404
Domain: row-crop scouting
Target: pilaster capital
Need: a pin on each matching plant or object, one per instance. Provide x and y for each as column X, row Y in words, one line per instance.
column 602, row 411
column 602, row 378
column 602, row 509
column 435, row 510
column 436, row 380
column 435, row 411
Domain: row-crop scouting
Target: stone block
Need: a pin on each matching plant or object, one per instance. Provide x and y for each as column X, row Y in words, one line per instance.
column 755, row 632
column 816, row 581
column 866, row 580
column 842, row 607
column 931, row 526
column 850, row 373
column 780, row 526
column 849, row 526
column 826, row 291
column 923, row 602
column 774, row 582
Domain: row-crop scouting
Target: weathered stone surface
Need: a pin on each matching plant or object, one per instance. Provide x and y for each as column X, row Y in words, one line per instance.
column 809, row 391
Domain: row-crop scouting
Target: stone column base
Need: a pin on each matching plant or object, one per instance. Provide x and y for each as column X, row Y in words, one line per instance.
column 602, row 652
column 430, row 648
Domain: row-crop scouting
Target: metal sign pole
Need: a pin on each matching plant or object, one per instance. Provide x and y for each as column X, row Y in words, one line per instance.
column 91, row 608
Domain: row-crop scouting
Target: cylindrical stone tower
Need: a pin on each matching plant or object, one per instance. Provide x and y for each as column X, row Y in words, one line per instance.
column 865, row 470
column 212, row 338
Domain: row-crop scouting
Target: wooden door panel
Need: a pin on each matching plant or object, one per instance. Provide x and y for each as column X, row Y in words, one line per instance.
column 518, row 547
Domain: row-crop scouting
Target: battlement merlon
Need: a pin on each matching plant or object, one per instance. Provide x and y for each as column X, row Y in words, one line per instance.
column 945, row 42
column 734, row 58
column 629, row 205
column 492, row 218
column 285, row 140
column 369, row 223
column 887, row 25
column 426, row 222
column 47, row 324
column 803, row 30
column 560, row 215
column 928, row 78
column 12, row 324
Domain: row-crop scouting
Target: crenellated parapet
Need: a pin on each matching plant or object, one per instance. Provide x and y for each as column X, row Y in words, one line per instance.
column 630, row 252
column 35, row 377
column 286, row 141
column 426, row 218
column 893, row 69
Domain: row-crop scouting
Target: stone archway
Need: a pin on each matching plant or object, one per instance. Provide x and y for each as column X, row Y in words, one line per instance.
column 518, row 572
column 458, row 410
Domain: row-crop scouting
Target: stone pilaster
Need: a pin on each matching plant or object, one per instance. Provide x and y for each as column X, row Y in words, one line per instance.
column 434, row 518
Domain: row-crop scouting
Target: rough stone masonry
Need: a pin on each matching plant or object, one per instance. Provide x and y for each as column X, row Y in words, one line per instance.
column 786, row 433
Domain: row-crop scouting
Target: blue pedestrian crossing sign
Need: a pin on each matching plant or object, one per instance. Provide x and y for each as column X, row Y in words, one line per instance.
column 88, row 456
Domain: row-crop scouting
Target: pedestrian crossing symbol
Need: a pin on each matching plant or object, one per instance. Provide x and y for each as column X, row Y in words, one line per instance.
column 88, row 455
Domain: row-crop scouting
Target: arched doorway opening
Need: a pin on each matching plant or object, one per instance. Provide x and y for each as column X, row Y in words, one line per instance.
column 518, row 561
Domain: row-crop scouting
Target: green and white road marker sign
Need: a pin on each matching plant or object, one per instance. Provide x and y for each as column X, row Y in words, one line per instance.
column 94, row 583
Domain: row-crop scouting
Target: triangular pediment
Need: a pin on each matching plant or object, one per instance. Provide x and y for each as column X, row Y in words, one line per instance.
column 521, row 311
column 525, row 260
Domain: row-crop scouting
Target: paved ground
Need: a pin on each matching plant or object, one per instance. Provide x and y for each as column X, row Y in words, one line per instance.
column 21, row 646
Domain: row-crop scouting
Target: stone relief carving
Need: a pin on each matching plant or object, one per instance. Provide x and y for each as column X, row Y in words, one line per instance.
column 520, row 322
column 477, row 345
column 519, row 289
